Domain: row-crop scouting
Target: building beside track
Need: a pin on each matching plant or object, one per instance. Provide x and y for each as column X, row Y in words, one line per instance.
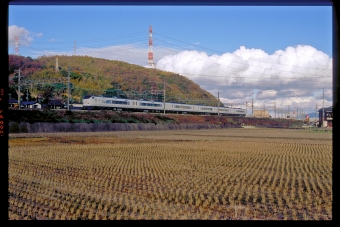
column 326, row 117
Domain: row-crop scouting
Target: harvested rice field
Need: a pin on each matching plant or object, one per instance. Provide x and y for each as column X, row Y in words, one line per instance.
column 217, row 174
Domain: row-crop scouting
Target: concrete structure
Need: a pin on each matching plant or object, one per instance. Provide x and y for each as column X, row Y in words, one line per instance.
column 31, row 105
column 261, row 114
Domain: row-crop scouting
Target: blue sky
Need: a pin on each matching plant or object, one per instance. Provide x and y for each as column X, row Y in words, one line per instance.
column 234, row 44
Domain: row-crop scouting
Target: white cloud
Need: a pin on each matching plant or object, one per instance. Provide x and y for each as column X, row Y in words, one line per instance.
column 37, row 34
column 265, row 94
column 287, row 76
column 25, row 37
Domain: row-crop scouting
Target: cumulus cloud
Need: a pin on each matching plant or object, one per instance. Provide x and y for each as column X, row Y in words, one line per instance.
column 266, row 94
column 294, row 76
column 25, row 37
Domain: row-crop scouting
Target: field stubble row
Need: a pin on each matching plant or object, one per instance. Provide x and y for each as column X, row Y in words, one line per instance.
column 204, row 174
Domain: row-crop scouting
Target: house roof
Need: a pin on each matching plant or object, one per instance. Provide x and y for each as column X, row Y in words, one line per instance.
column 329, row 109
column 12, row 100
column 28, row 103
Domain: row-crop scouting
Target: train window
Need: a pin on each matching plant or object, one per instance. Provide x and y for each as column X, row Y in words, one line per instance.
column 87, row 97
column 120, row 102
column 108, row 101
column 183, row 107
column 149, row 104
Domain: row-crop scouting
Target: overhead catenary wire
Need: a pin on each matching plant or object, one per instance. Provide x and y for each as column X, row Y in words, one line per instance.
column 142, row 43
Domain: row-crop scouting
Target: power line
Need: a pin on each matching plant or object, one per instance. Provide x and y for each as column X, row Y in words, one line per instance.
column 141, row 41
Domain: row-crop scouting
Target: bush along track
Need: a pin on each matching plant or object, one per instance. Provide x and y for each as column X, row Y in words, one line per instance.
column 18, row 118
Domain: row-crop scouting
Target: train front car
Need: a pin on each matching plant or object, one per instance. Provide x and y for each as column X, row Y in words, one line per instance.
column 89, row 102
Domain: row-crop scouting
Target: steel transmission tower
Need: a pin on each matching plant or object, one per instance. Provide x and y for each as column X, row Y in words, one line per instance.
column 150, row 53
column 16, row 45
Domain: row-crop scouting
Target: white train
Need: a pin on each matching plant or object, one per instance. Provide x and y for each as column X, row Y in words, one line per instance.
column 91, row 102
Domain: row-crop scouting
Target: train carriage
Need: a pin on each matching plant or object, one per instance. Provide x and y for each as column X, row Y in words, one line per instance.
column 91, row 102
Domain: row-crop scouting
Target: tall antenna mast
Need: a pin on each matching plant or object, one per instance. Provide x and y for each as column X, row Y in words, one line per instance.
column 74, row 48
column 150, row 54
column 16, row 43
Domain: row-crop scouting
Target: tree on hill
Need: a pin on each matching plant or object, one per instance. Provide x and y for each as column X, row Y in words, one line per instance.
column 99, row 77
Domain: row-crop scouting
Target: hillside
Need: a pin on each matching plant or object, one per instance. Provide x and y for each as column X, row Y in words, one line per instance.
column 98, row 76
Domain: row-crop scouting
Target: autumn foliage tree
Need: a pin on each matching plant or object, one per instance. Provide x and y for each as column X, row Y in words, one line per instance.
column 100, row 76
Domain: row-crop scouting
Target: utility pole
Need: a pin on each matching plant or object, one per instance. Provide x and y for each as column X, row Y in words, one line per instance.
column 19, row 95
column 303, row 113
column 323, row 106
column 246, row 107
column 288, row 111
column 56, row 65
column 264, row 110
column 275, row 109
column 252, row 106
column 164, row 97
column 68, row 89
column 316, row 108
column 218, row 103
